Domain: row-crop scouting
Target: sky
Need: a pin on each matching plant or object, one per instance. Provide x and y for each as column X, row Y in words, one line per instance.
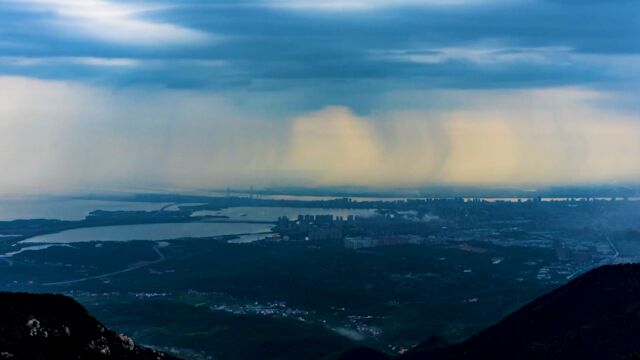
column 195, row 94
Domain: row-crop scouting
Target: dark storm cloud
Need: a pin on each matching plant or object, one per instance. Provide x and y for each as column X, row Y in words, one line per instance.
column 256, row 45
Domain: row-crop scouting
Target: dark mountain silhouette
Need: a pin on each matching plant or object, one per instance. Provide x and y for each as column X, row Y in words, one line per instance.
column 57, row 327
column 431, row 344
column 364, row 353
column 595, row 317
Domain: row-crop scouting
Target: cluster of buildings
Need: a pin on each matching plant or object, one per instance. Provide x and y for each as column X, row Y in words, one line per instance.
column 315, row 227
column 353, row 232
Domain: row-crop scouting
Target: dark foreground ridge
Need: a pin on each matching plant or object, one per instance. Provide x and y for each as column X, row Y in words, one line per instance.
column 595, row 317
column 57, row 327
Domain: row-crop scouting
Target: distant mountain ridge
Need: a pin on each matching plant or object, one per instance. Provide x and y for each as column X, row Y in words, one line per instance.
column 49, row 327
column 594, row 317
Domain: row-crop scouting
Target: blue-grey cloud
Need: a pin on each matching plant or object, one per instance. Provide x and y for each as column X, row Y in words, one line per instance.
column 338, row 53
column 459, row 44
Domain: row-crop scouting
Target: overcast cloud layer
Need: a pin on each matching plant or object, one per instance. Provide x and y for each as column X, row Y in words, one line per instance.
column 337, row 92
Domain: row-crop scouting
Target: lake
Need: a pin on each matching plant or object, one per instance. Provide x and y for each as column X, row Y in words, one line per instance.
column 153, row 232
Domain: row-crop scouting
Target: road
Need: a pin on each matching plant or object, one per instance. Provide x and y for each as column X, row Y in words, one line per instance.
column 160, row 259
column 617, row 253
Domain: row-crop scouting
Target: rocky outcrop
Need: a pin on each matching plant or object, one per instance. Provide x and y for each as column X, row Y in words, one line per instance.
column 57, row 327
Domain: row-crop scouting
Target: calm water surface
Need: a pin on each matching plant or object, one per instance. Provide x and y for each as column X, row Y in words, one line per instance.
column 65, row 208
column 153, row 232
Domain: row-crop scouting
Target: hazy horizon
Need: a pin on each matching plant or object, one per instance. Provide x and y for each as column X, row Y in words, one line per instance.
column 150, row 94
